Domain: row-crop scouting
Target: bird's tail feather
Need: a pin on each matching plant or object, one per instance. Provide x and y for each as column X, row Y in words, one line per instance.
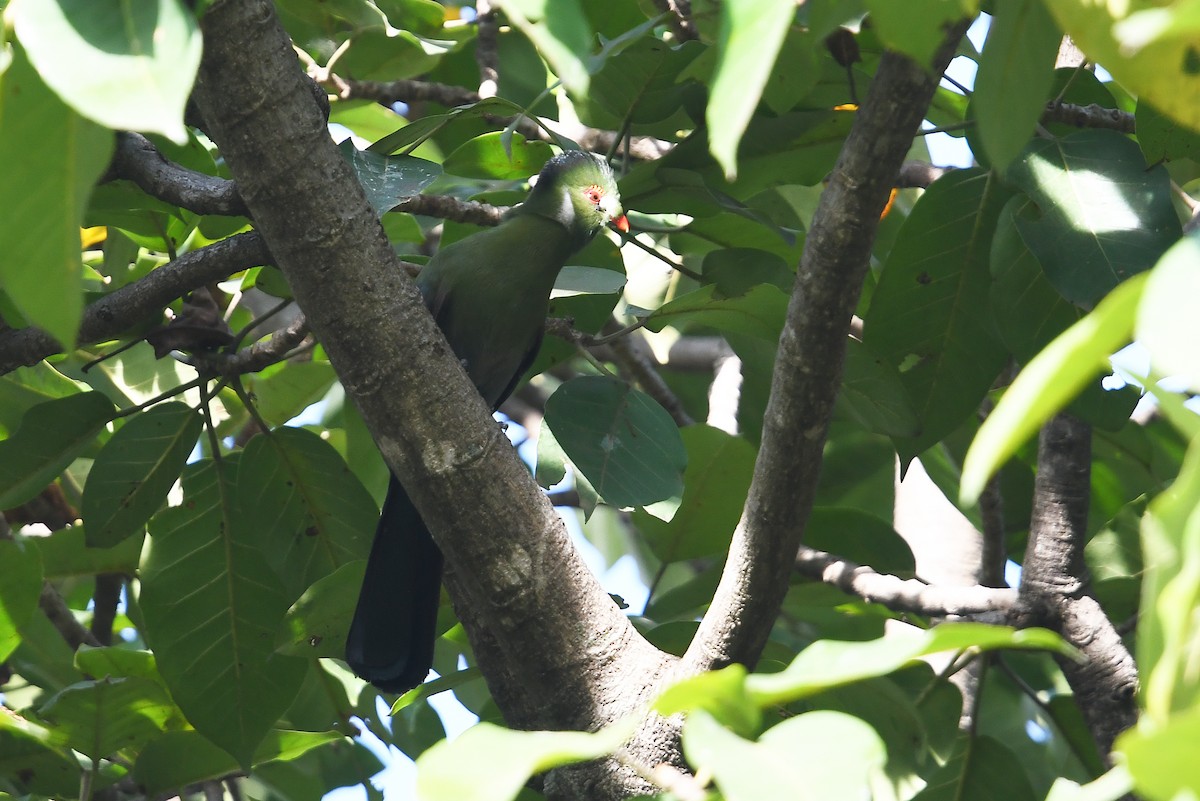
column 391, row 638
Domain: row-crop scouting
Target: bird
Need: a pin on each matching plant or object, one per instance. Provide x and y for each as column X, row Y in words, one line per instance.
column 489, row 293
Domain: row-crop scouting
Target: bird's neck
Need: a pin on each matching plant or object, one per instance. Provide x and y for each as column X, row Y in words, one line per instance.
column 555, row 204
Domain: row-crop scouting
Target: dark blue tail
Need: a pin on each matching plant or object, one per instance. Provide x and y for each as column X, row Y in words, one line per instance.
column 395, row 623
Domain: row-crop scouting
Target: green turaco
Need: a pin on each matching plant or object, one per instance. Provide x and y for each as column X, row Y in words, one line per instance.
column 489, row 293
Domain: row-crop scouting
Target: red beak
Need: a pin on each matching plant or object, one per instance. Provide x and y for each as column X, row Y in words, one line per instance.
column 622, row 224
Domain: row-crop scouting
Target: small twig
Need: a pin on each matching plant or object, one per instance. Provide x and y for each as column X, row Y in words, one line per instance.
column 104, row 605
column 451, row 208
column 679, row 268
column 635, row 359
column 60, row 615
column 680, row 18
column 958, row 126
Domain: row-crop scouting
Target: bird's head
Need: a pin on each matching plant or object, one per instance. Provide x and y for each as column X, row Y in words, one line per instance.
column 578, row 190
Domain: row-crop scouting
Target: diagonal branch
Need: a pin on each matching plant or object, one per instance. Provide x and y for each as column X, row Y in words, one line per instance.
column 808, row 366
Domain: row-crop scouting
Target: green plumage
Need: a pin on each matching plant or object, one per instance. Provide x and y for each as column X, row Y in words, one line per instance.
column 489, row 294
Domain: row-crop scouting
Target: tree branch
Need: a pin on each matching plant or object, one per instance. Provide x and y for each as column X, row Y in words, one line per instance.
column 130, row 305
column 1089, row 116
column 808, row 366
column 137, row 159
column 1055, row 587
column 901, row 595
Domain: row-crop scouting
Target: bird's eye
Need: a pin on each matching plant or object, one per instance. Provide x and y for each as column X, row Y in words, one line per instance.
column 594, row 194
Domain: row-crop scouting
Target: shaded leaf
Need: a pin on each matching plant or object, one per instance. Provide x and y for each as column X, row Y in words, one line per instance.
column 1166, row 321
column 759, row 312
column 626, row 444
column 99, row 718
column 388, row 179
column 50, row 437
column 317, row 624
column 20, row 587
column 212, row 607
column 979, row 768
column 493, row 156
column 1100, row 215
column 134, row 471
column 508, row 758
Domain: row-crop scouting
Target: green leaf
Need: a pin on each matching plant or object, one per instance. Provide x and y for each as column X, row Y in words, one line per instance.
column 758, row 313
column 376, row 54
column 820, row 754
column 1100, row 215
column 1162, row 138
column 1109, row 787
column 583, row 280
column 831, row 663
column 128, row 66
column 928, row 315
column 318, row 622
column 135, row 470
column 388, row 179
column 181, row 758
column 20, row 588
column 1015, row 74
column 65, row 554
column 715, row 483
column 641, row 82
column 1162, row 759
column 26, row 387
column 626, row 444
column 979, row 768
column 493, row 156
column 284, row 390
column 51, row 157
column 507, row 758
column 297, row 498
column 99, row 718
column 51, row 435
column 117, row 662
column 561, row 34
column 1026, row 309
column 1168, row 640
column 861, row 537
column 1166, row 321
column 917, row 28
column 1048, row 383
column 40, row 766
column 752, row 31
column 873, row 393
column 212, row 607
column 720, row 693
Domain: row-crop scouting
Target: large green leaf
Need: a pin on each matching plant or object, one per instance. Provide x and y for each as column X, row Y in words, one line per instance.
column 51, row 435
column 979, row 768
column 1167, row 324
column 181, row 758
column 561, row 33
column 873, row 393
column 51, row 157
column 317, row 624
column 493, row 156
column 759, row 312
column 128, row 66
column 861, row 537
column 284, row 390
column 20, row 588
column 1164, row 138
column 640, row 82
column 626, row 445
column 928, row 315
column 820, row 754
column 1048, row 383
column 1100, row 215
column 99, row 718
column 299, row 502
column 1168, row 639
column 212, row 607
column 507, row 758
column 1162, row 759
column 1026, row 309
column 917, row 28
column 134, row 471
column 388, row 179
column 752, row 31
column 26, row 387
column 65, row 554
column 1015, row 74
column 719, row 469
